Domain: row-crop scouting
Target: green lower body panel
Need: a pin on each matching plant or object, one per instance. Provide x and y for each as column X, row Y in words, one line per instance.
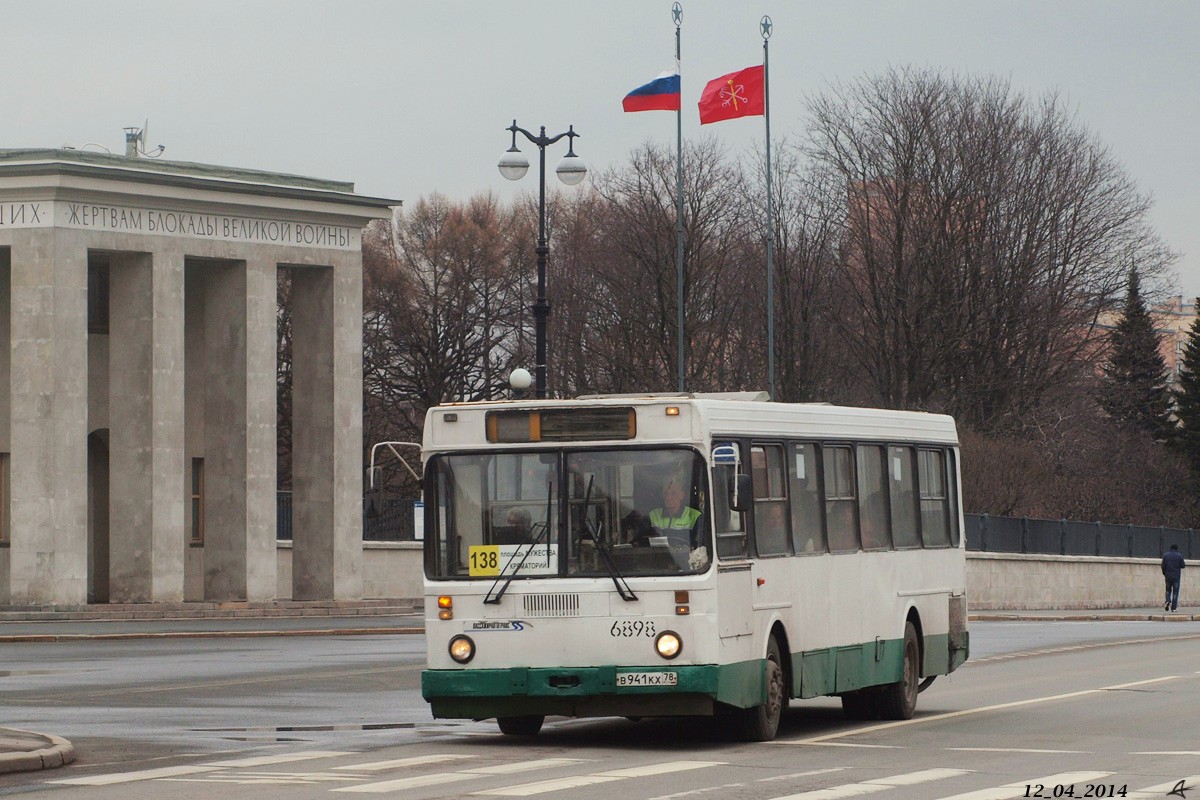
column 698, row 690
column 574, row 691
column 846, row 669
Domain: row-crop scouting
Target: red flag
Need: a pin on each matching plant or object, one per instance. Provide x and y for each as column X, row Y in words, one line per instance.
column 738, row 94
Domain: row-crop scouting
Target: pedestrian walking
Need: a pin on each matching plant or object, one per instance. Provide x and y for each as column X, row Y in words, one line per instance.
column 1172, row 569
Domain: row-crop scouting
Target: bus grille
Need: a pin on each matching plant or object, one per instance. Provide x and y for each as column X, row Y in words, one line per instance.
column 551, row 605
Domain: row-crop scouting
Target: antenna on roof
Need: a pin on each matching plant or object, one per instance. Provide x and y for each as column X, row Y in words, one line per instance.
column 135, row 142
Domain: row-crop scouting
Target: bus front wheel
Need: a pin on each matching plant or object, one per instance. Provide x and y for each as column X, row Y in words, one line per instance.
column 899, row 700
column 521, row 726
column 760, row 723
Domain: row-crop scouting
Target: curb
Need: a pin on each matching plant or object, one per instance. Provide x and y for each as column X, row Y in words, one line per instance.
column 71, row 637
column 1052, row 617
column 57, row 752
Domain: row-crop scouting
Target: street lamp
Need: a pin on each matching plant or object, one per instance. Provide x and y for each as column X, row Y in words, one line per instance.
column 571, row 170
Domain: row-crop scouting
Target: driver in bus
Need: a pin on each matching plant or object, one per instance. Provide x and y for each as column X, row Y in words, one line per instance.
column 680, row 523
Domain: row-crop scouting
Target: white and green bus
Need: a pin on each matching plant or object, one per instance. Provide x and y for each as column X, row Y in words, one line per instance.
column 667, row 555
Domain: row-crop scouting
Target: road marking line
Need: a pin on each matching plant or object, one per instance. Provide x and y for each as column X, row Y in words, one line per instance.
column 308, row 776
column 725, row 787
column 435, row 779
column 577, row 781
column 1167, row 753
column 876, row 785
column 853, row 744
column 130, row 777
column 659, row 769
column 1014, row 750
column 921, row 776
column 248, row 781
column 521, row 766
column 407, row 783
column 801, row 774
column 281, row 758
column 559, row 784
column 379, row 766
column 1010, row 790
column 968, row 711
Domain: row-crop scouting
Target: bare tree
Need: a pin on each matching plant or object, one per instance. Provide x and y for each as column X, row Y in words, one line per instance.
column 629, row 312
column 441, row 312
column 984, row 233
column 807, row 235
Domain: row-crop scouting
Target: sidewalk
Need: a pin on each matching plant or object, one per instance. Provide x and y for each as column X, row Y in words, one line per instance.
column 168, row 620
column 1154, row 614
column 24, row 750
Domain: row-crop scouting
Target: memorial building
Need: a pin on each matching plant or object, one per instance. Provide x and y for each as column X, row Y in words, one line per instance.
column 138, row 313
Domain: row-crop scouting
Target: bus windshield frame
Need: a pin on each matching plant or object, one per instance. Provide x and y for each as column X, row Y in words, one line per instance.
column 632, row 511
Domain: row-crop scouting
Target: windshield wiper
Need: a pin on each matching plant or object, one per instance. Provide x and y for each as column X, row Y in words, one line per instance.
column 493, row 599
column 605, row 554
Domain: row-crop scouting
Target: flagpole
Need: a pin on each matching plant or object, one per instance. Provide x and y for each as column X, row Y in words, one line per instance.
column 765, row 27
column 677, row 16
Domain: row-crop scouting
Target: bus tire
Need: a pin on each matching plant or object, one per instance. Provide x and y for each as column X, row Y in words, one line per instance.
column 760, row 723
column 521, row 726
column 899, row 700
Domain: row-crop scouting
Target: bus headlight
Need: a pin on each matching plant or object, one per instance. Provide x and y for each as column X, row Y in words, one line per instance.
column 462, row 649
column 668, row 644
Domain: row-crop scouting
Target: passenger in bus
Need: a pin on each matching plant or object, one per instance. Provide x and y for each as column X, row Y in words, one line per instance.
column 680, row 523
column 517, row 529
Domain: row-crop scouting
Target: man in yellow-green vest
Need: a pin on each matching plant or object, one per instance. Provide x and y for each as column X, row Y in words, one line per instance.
column 674, row 519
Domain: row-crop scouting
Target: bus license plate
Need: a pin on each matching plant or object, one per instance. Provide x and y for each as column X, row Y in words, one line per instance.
column 647, row 679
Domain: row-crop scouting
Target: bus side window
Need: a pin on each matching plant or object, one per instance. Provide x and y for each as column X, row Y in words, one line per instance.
column 808, row 513
column 952, row 483
column 770, row 500
column 728, row 525
column 902, row 485
column 872, row 499
column 841, row 506
column 935, row 505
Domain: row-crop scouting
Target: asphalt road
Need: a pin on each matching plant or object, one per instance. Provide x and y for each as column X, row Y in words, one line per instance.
column 1103, row 705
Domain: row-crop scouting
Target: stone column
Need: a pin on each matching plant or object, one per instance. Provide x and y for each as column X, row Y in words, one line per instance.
column 49, row 410
column 5, row 391
column 239, row 431
column 146, row 464
column 327, row 431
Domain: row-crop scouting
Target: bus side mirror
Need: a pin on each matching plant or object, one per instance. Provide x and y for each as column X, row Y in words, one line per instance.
column 374, row 492
column 742, row 495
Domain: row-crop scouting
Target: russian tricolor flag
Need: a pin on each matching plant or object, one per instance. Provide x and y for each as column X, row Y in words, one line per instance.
column 660, row 94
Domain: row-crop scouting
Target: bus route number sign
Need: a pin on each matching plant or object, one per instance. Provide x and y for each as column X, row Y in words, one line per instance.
column 485, row 560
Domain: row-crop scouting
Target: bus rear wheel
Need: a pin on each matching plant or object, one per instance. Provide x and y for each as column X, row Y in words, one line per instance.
column 761, row 723
column 899, row 700
column 521, row 726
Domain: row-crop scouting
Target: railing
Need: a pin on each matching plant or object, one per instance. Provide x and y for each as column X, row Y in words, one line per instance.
column 985, row 533
column 395, row 522
column 990, row 534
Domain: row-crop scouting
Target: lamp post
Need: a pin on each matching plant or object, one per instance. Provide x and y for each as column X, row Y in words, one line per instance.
column 571, row 170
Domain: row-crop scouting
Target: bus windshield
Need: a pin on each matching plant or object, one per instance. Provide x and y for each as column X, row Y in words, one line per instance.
column 569, row 513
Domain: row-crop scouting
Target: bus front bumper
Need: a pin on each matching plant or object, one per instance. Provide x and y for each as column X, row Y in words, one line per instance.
column 570, row 691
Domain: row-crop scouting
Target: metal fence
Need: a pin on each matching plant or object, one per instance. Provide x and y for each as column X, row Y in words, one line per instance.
column 985, row 533
column 990, row 534
column 395, row 522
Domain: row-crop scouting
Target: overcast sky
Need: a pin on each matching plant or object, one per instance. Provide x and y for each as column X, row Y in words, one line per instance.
column 408, row 98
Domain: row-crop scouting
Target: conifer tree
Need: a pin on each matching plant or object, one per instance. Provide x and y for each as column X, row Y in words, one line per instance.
column 1135, row 389
column 1187, row 400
